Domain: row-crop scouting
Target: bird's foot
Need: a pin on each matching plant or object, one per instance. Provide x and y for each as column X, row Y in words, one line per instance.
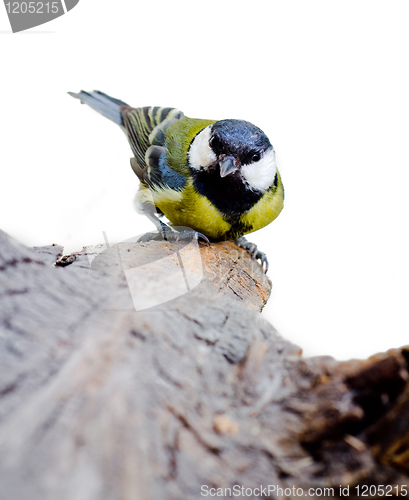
column 253, row 251
column 189, row 234
column 172, row 235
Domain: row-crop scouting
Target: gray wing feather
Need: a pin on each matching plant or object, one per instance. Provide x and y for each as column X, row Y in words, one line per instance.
column 159, row 173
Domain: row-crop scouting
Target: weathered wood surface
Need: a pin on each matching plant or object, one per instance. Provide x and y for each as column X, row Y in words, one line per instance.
column 99, row 401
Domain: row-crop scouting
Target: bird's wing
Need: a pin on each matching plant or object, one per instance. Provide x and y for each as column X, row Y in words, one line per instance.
column 147, row 124
column 158, row 174
column 160, row 139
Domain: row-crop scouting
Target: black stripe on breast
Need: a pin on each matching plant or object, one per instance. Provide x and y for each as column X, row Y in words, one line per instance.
column 228, row 194
column 237, row 228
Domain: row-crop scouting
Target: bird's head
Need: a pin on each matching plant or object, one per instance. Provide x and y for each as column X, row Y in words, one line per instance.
column 236, row 150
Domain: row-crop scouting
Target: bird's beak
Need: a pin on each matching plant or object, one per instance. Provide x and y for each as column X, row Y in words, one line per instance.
column 227, row 166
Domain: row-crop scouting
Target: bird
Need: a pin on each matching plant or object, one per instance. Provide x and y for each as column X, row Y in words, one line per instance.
column 217, row 177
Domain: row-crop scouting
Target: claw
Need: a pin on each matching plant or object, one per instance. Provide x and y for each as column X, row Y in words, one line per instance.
column 203, row 237
column 253, row 252
column 264, row 261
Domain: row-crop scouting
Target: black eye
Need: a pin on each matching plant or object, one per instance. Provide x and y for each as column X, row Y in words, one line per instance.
column 256, row 157
column 213, row 142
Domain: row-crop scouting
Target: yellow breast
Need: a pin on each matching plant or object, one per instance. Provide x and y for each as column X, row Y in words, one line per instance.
column 190, row 209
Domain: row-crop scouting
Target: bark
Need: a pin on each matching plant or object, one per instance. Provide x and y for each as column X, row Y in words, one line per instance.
column 109, row 390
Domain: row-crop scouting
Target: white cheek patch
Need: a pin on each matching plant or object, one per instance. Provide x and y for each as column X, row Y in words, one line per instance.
column 200, row 155
column 260, row 174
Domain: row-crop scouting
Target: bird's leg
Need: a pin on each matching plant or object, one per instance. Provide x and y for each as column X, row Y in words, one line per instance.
column 253, row 251
column 188, row 234
column 165, row 232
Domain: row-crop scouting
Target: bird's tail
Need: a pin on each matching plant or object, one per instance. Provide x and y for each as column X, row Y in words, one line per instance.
column 106, row 105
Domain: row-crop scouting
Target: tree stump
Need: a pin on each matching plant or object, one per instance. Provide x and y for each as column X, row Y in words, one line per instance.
column 109, row 390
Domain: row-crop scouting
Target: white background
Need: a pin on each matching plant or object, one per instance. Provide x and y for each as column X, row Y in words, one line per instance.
column 327, row 81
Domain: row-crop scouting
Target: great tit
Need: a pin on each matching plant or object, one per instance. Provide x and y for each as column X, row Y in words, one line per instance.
column 218, row 178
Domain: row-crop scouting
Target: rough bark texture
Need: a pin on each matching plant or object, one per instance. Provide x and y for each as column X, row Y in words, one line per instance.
column 100, row 401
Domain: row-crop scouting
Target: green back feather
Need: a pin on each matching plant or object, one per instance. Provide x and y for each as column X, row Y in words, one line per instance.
column 179, row 136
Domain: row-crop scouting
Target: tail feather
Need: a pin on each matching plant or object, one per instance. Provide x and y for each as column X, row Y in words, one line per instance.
column 106, row 105
column 144, row 126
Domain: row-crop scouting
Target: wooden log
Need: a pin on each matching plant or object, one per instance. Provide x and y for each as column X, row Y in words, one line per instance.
column 109, row 390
